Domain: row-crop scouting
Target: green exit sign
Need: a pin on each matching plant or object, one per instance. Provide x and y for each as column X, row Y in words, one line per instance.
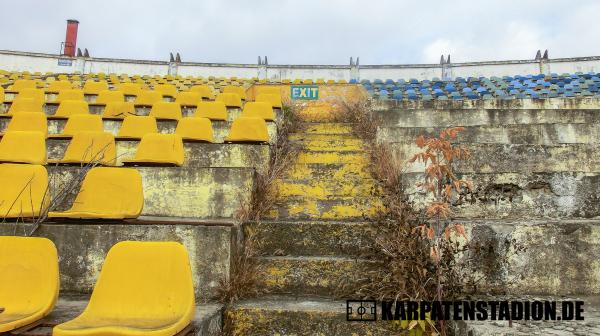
column 306, row 92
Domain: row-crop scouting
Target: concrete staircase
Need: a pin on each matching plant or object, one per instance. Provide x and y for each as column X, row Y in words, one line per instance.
column 310, row 244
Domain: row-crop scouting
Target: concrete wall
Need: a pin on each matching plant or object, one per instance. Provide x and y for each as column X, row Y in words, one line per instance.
column 26, row 61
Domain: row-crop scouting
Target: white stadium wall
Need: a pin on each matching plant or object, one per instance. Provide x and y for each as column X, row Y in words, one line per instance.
column 32, row 62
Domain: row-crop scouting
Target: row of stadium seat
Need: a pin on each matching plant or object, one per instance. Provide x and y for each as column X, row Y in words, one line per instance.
column 216, row 110
column 132, row 296
column 89, row 141
column 516, row 87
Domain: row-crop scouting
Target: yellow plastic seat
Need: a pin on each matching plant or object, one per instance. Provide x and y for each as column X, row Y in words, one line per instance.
column 166, row 89
column 59, row 85
column 204, row 90
column 28, row 121
column 80, row 123
column 29, row 280
column 159, row 149
column 308, row 81
column 23, row 147
column 108, row 96
column 297, row 81
column 195, row 129
column 23, row 193
column 35, row 94
column 148, row 98
column 272, row 98
column 330, row 81
column 68, row 108
column 130, row 89
column 320, row 81
column 118, row 110
column 240, row 91
column 1, row 95
column 25, row 105
column 212, row 110
column 108, row 193
column 230, row 99
column 245, row 129
column 188, row 98
column 166, row 111
column 94, row 87
column 135, row 127
column 342, row 81
column 21, row 84
column 144, row 288
column 69, row 94
column 91, row 147
column 259, row 110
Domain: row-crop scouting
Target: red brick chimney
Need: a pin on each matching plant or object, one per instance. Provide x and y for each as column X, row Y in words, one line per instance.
column 71, row 38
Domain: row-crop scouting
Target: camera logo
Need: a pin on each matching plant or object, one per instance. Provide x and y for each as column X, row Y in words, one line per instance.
column 361, row 310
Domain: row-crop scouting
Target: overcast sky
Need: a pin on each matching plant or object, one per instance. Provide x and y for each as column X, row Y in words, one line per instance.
column 308, row 31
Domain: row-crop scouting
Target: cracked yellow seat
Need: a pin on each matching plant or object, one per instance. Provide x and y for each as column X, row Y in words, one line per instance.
column 148, row 98
column 29, row 281
column 70, row 94
column 107, row 96
column 159, row 149
column 94, row 87
column 204, row 90
column 25, row 105
column 188, row 98
column 240, row 91
column 90, row 147
column 244, row 129
column 23, row 147
column 118, row 110
column 215, row 110
column 195, row 129
column 135, row 127
column 107, row 193
column 166, row 111
column 135, row 297
column 169, row 90
column 28, row 121
column 24, row 191
column 67, row 108
column 80, row 123
column 259, row 110
column 272, row 98
column 230, row 99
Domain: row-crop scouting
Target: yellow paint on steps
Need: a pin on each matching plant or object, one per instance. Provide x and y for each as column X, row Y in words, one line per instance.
column 322, row 188
column 333, row 145
column 328, row 128
column 350, row 211
column 332, row 157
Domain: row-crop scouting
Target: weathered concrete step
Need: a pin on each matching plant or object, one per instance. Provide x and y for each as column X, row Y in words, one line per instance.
column 358, row 157
column 312, row 238
column 332, row 208
column 328, row 128
column 332, row 171
column 533, row 134
column 207, row 320
column 545, row 256
column 333, row 145
column 499, row 158
column 196, row 154
column 519, row 195
column 321, row 276
column 472, row 117
column 322, row 188
column 287, row 316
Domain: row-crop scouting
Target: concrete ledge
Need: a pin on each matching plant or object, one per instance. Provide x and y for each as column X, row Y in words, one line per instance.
column 180, row 192
column 549, row 103
column 196, row 154
column 465, row 117
column 533, row 134
column 520, row 195
column 82, row 248
column 513, row 158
